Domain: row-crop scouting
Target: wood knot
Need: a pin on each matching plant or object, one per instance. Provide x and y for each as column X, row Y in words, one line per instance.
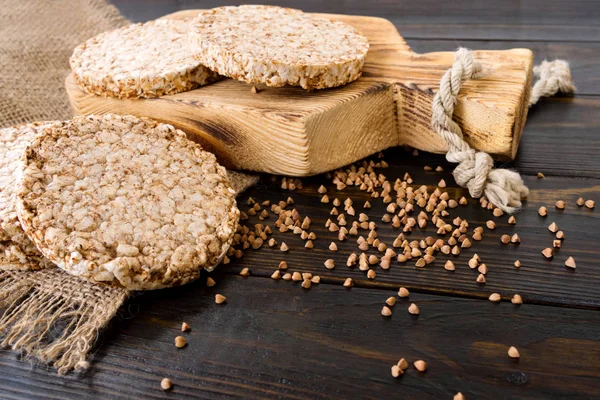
column 517, row 378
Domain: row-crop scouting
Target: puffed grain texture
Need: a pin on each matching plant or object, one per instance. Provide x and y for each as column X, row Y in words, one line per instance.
column 17, row 252
column 140, row 60
column 126, row 200
column 278, row 46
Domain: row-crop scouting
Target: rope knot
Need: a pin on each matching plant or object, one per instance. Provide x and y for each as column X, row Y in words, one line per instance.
column 553, row 77
column 475, row 170
column 472, row 172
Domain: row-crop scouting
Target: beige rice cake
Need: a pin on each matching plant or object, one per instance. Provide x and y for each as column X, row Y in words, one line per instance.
column 278, row 46
column 126, row 200
column 17, row 252
column 140, row 60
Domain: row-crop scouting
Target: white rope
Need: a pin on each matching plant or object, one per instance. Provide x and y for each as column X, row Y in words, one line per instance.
column 475, row 170
column 553, row 77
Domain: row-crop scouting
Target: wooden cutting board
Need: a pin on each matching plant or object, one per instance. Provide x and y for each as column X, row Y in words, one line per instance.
column 291, row 131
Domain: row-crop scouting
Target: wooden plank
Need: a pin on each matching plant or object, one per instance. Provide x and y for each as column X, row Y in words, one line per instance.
column 460, row 19
column 538, row 281
column 273, row 339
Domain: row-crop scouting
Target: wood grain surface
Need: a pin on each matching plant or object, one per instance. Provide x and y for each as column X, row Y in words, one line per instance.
column 291, row 131
column 273, row 339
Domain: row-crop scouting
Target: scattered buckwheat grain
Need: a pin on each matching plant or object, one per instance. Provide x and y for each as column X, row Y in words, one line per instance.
column 396, row 371
column 483, row 269
column 495, row 297
column 296, row 276
column 516, row 299
column 414, row 309
column 513, row 352
column 570, row 262
column 402, row 364
column 220, row 299
column 547, row 252
column 166, row 384
column 386, row 311
column 180, row 342
column 420, row 365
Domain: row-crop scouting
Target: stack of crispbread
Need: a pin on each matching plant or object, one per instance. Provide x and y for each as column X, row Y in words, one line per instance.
column 267, row 45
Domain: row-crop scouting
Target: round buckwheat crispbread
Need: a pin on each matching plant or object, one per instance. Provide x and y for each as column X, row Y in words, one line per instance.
column 17, row 252
column 140, row 60
column 126, row 200
column 278, row 46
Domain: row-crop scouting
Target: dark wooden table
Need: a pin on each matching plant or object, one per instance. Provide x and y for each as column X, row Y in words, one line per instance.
column 273, row 339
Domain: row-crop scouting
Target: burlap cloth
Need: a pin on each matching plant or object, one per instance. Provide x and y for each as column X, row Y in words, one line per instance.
column 50, row 315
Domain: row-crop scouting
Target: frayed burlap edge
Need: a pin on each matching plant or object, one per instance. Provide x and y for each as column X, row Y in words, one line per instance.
column 55, row 317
